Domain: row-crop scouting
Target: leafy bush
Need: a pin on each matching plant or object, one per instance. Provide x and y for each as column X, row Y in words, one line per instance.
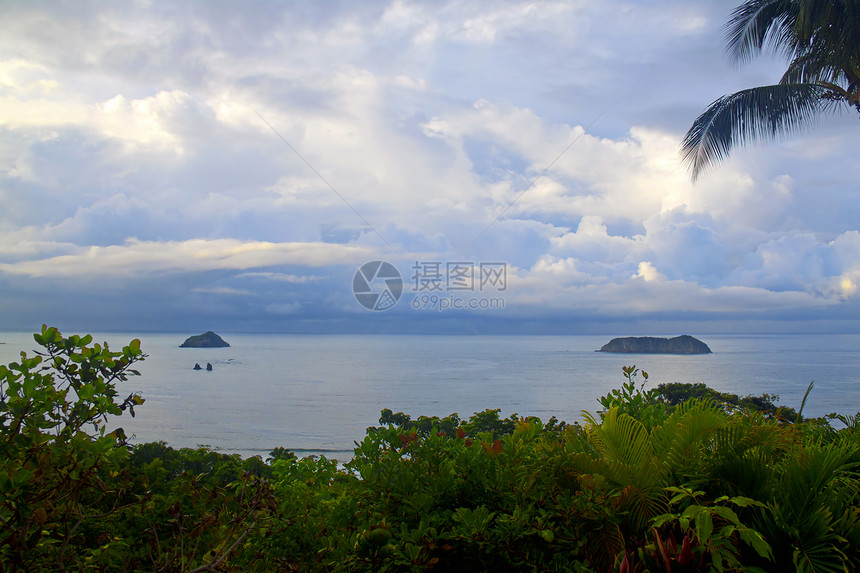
column 676, row 393
column 58, row 463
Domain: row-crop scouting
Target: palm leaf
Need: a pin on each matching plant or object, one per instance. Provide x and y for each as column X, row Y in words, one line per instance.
column 820, row 557
column 813, row 67
column 752, row 115
column 822, row 40
column 741, row 457
column 622, row 438
column 814, row 488
column 602, row 543
column 644, row 504
column 686, row 434
column 758, row 23
column 803, row 403
column 833, row 22
column 815, row 469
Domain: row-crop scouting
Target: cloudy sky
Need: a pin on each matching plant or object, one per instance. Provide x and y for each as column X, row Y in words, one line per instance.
column 230, row 166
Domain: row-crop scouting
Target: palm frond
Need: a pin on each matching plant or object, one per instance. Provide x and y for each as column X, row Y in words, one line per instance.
column 602, row 543
column 752, row 115
column 642, row 504
column 758, row 23
column 813, row 67
column 837, row 22
column 830, row 29
column 822, row 40
column 814, row 470
column 624, row 438
column 683, row 433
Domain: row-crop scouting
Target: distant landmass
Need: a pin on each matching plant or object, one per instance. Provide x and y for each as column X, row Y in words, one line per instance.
column 205, row 340
column 685, row 344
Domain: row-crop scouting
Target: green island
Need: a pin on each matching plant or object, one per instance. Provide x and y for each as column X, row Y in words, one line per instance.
column 674, row 478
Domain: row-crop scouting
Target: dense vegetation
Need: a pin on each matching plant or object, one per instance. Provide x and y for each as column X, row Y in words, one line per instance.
column 676, row 478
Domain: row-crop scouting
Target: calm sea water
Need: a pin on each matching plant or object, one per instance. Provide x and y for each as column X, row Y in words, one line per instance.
column 316, row 394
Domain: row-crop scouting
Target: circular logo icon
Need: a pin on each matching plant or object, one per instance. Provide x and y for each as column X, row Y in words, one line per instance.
column 377, row 285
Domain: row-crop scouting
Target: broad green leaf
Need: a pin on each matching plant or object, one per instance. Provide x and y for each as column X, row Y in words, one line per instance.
column 704, row 526
column 746, row 502
column 28, row 388
column 693, row 511
column 717, row 559
column 726, row 513
column 755, row 539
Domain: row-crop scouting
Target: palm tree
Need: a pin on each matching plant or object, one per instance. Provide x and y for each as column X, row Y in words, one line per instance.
column 821, row 38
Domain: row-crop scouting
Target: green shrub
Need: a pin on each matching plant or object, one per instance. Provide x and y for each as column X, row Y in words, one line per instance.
column 58, row 465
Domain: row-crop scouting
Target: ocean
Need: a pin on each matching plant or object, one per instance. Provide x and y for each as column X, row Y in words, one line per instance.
column 316, row 394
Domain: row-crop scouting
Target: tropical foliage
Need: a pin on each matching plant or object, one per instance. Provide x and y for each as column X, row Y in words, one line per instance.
column 821, row 39
column 654, row 481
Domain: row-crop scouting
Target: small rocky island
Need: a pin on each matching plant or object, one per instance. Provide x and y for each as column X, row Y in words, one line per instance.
column 205, row 340
column 685, row 344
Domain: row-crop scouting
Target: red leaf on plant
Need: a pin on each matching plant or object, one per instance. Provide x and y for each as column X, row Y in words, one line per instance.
column 685, row 557
column 406, row 440
column 492, row 449
column 625, row 565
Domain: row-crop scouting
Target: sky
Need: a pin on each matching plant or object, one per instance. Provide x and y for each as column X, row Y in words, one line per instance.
column 234, row 166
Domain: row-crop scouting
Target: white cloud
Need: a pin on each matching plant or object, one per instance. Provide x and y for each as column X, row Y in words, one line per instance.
column 223, row 291
column 151, row 123
column 592, row 241
column 194, row 255
column 648, row 273
column 283, row 277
